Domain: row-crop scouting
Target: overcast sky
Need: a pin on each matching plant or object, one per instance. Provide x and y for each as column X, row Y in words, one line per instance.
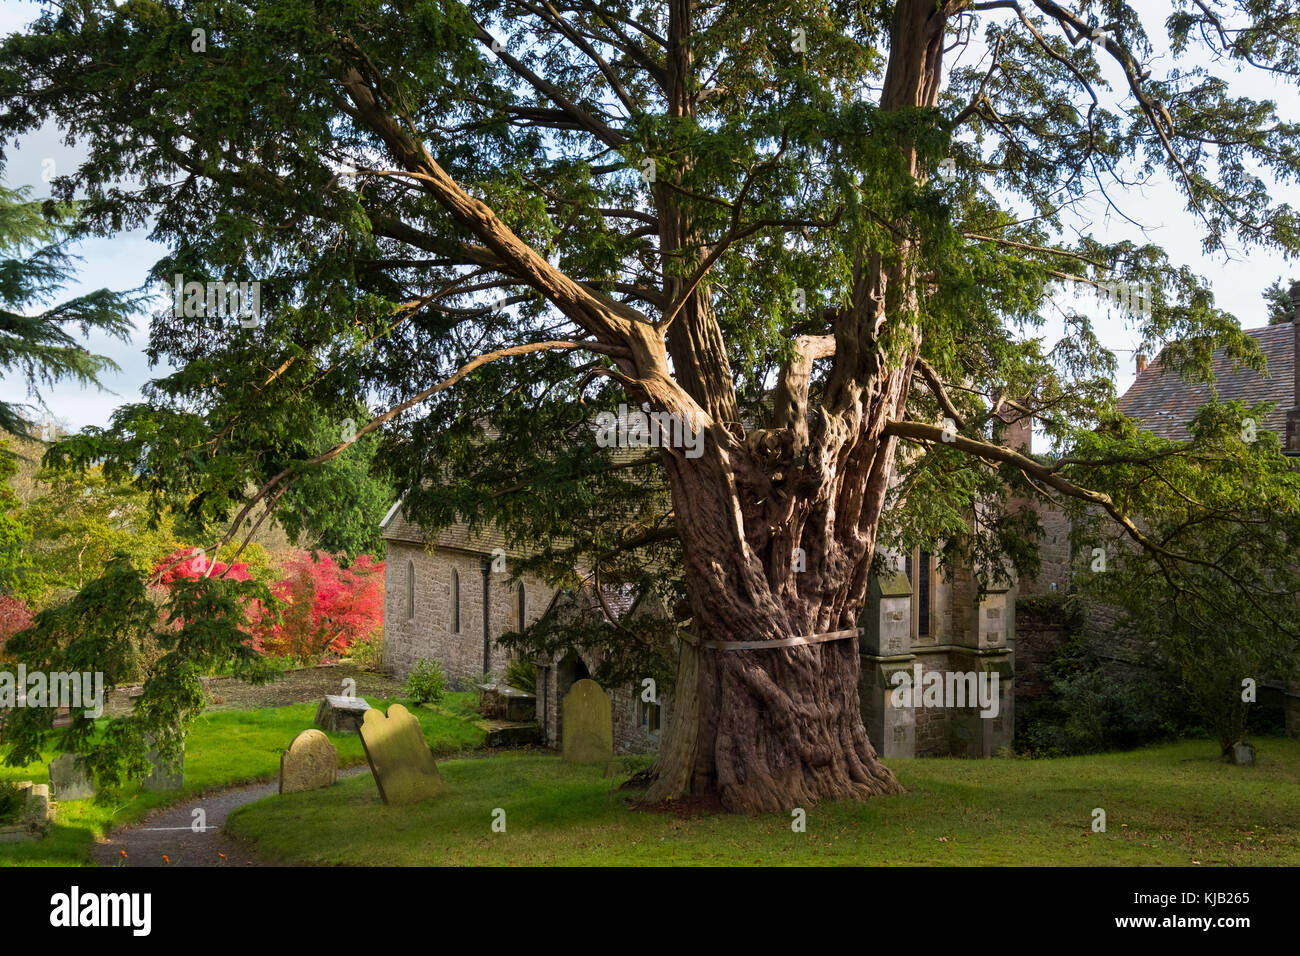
column 122, row 262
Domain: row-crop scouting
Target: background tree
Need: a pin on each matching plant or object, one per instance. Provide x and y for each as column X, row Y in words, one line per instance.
column 1229, row 609
column 78, row 521
column 17, row 576
column 34, row 265
column 1277, row 298
column 489, row 221
column 337, row 508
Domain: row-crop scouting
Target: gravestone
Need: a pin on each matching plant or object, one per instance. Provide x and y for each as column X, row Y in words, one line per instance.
column 404, row 768
column 311, row 762
column 33, row 819
column 164, row 776
column 588, row 724
column 1243, row 754
column 341, row 715
column 71, row 778
column 36, row 813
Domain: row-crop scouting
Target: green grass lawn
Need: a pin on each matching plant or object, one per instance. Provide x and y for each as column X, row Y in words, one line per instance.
column 1169, row 805
column 225, row 748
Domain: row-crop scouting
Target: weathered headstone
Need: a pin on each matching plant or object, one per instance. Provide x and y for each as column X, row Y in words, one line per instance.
column 71, row 778
column 588, row 724
column 164, row 776
column 401, row 761
column 37, row 812
column 1243, row 754
column 341, row 715
column 311, row 762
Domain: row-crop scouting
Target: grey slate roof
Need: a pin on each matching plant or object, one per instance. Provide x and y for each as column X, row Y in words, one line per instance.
column 1164, row 403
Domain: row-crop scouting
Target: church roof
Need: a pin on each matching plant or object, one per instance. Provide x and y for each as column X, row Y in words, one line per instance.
column 1164, row 403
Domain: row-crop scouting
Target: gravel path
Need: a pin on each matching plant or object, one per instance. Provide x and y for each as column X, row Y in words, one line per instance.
column 167, row 837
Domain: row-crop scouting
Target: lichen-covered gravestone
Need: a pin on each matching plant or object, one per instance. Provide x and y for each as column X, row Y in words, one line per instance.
column 341, row 715
column 164, row 776
column 71, row 778
column 310, row 763
column 403, row 765
column 588, row 724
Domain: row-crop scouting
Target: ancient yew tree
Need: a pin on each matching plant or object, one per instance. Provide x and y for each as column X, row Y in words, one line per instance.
column 478, row 225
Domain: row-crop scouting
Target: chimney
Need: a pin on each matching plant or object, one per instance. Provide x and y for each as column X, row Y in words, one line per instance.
column 1293, row 416
column 1141, row 362
column 1019, row 434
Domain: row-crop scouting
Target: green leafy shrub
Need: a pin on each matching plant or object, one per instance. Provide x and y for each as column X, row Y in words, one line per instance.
column 426, row 684
column 522, row 675
column 1095, row 703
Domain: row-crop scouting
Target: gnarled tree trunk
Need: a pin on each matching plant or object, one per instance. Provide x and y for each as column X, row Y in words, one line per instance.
column 780, row 727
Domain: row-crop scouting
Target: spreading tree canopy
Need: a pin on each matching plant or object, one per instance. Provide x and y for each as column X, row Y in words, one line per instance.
column 487, row 222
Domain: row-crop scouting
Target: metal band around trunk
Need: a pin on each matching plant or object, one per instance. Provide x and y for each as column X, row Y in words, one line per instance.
column 782, row 642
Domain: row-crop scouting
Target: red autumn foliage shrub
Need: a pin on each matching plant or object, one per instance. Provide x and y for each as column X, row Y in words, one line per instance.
column 327, row 608
column 15, row 616
column 192, row 564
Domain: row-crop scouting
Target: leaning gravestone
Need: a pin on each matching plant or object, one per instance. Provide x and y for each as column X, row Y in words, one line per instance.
column 71, row 778
column 341, row 715
column 164, row 776
column 311, row 762
column 588, row 724
column 401, row 761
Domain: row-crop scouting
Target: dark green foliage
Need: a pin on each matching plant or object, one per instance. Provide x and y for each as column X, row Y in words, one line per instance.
column 1277, row 299
column 1092, row 708
column 1213, row 589
column 38, row 349
column 337, row 507
column 11, row 802
column 103, row 628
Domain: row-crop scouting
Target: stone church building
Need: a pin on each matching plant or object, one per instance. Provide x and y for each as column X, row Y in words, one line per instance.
column 434, row 607
column 916, row 617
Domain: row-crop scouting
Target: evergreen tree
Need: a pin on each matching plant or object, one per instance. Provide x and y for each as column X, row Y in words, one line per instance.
column 39, row 348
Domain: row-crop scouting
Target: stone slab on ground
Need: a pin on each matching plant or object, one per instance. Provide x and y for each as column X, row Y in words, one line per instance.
column 34, row 820
column 588, row 724
column 310, row 763
column 403, row 765
column 341, row 715
column 508, row 733
column 503, row 702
